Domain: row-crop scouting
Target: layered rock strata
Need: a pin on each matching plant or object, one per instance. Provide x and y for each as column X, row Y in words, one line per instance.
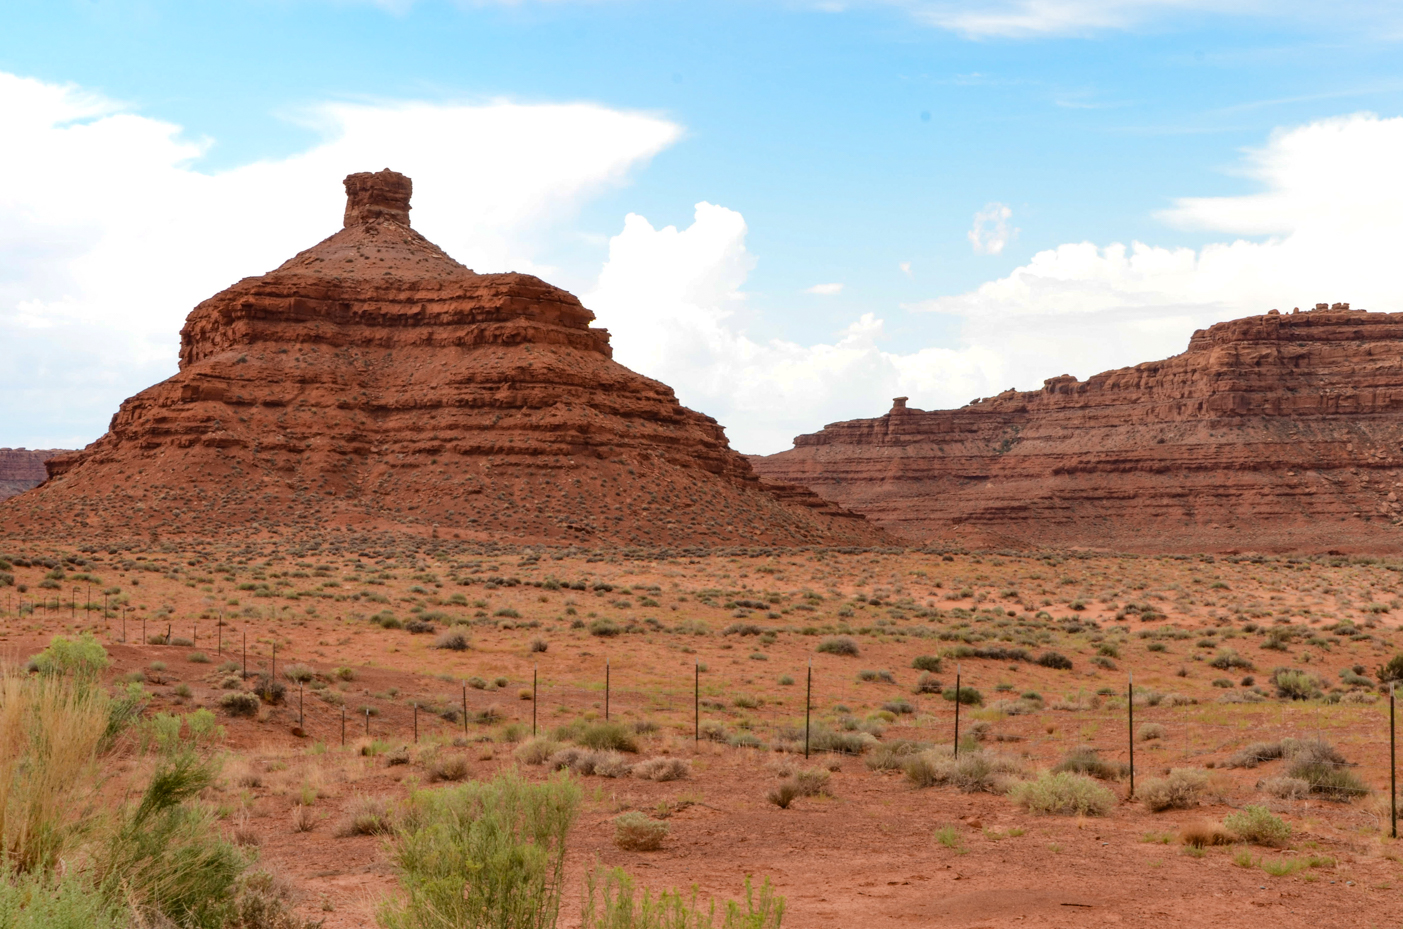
column 23, row 468
column 1281, row 432
column 374, row 383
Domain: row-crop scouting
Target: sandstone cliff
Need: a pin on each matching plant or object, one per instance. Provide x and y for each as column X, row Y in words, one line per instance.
column 1281, row 432
column 23, row 468
column 373, row 383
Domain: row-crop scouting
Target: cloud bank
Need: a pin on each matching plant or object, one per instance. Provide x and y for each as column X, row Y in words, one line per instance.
column 1329, row 222
column 110, row 234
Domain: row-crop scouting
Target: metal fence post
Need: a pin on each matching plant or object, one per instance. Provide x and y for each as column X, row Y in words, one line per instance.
column 1130, row 704
column 958, row 695
column 808, row 702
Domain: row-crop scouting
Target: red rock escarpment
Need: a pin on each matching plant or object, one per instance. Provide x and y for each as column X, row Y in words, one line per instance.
column 374, row 383
column 23, row 468
column 1281, row 432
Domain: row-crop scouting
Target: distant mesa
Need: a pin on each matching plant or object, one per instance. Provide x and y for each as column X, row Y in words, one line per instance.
column 23, row 468
column 1273, row 433
column 372, row 383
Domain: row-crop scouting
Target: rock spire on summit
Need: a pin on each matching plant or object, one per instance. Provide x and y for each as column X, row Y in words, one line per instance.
column 376, row 196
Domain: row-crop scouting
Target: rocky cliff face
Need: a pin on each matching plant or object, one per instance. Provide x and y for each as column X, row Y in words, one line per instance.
column 1270, row 433
column 373, row 383
column 23, row 468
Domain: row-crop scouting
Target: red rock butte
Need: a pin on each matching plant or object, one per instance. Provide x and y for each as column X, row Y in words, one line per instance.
column 372, row 383
column 1273, row 433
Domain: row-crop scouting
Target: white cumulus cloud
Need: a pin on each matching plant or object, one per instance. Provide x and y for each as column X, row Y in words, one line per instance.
column 110, row 233
column 825, row 290
column 990, row 232
column 1328, row 222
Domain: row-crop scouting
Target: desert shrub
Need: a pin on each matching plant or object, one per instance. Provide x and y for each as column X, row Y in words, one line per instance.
column 1317, row 763
column 1391, row 671
column 637, row 832
column 1055, row 660
column 663, row 769
column 269, row 690
column 1204, row 835
column 1257, row 824
column 166, row 856
column 900, row 706
column 483, row 854
column 452, row 640
column 1086, row 760
column 783, row 794
column 418, row 627
column 604, row 628
column 52, row 729
column 928, row 683
column 811, row 782
column 539, row 645
column 607, row 735
column 966, row 695
column 1286, row 788
column 344, row 673
column 299, row 673
column 1228, row 659
column 611, row 903
column 971, row 772
column 368, row 816
column 197, row 658
column 536, row 751
column 1249, row 756
column 1295, row 685
column 1150, row 731
column 1065, row 793
column 890, row 756
column 824, row 739
column 82, row 656
column 1181, row 789
column 1352, row 678
column 929, row 663
column 870, row 676
column 838, row 645
column 448, row 768
column 31, row 900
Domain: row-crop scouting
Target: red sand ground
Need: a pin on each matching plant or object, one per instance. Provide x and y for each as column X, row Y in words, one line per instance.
column 866, row 856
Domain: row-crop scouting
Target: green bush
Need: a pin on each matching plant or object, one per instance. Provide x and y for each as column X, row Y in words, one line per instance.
column 1055, row 660
column 483, row 854
column 838, row 645
column 31, row 900
column 929, row 663
column 239, row 704
column 966, row 695
column 167, row 858
column 1295, row 685
column 612, row 903
column 608, row 736
column 1065, row 793
column 1391, row 671
column 637, row 832
column 1257, row 824
column 972, row 771
column 1180, row 790
column 82, row 656
column 1087, row 761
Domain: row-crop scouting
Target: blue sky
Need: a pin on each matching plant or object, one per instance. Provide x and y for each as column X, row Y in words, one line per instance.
column 850, row 144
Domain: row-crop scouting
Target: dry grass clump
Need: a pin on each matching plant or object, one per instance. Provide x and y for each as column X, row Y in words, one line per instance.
column 452, row 640
column 1065, row 793
column 448, row 768
column 890, row 756
column 1313, row 761
column 1249, row 756
column 303, row 819
column 1150, row 731
column 1180, row 790
column 637, row 832
column 536, row 750
column 1086, row 760
column 971, row 772
column 663, row 769
column 586, row 762
column 1285, row 788
column 299, row 673
column 368, row 816
column 1204, row 835
column 1257, row 824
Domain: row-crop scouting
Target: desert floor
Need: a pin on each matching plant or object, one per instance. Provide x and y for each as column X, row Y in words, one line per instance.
column 733, row 635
